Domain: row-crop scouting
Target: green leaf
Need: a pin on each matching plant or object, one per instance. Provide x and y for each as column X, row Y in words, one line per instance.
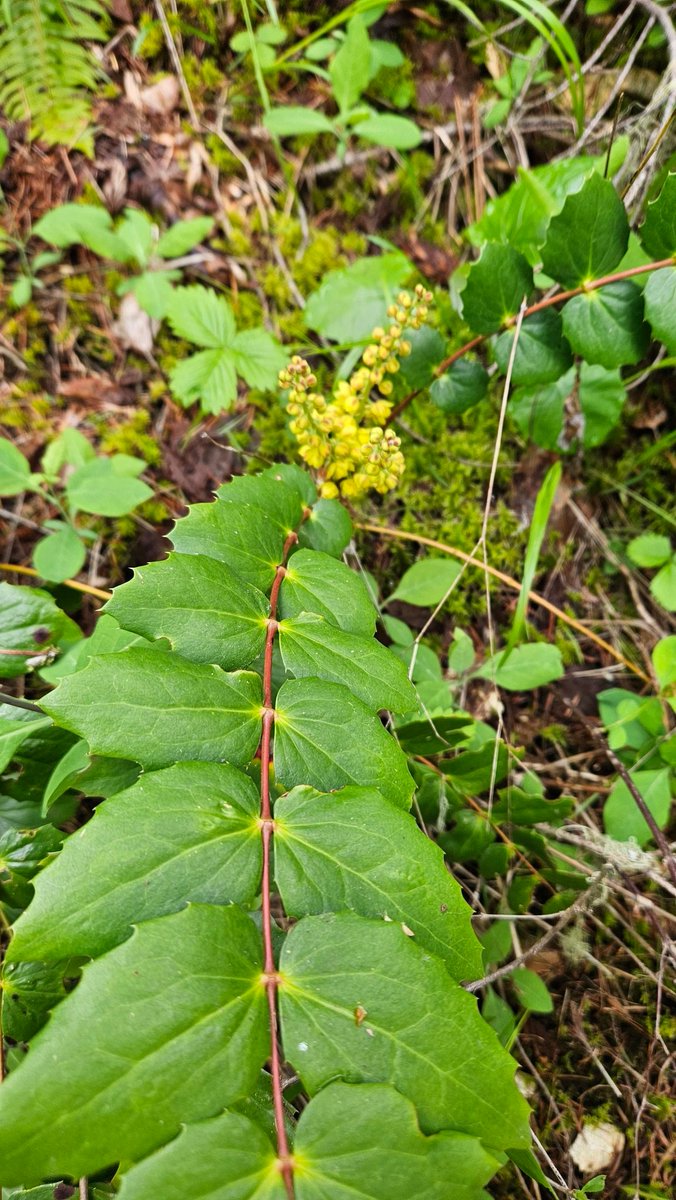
column 664, row 661
column 169, row 1027
column 542, row 353
column 294, row 120
column 80, row 771
column 59, row 556
column 240, row 535
column 606, row 326
column 427, row 582
column 271, row 491
column 355, row 850
column 159, row 709
column 351, row 1140
column 312, row 646
column 663, row 586
column 183, row 236
column 388, row 129
column 427, row 351
column 327, row 738
column 104, row 487
column 202, row 317
column 328, row 528
column 658, row 231
column 136, row 231
column 186, row 833
column 205, row 611
column 30, row 620
column 350, row 69
column 209, row 377
column 69, row 448
column 258, row 358
column 622, row 817
column 15, row 471
column 649, row 550
column 659, row 297
column 532, row 992
column 154, row 291
column 599, row 394
column 316, row 583
column 351, row 301
column 14, row 732
column 82, row 224
column 22, row 290
column 460, row 388
column 536, row 534
column 529, row 666
column 496, row 285
column 360, row 999
column 588, row 238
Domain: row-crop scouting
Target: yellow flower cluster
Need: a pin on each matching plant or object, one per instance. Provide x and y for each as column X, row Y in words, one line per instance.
column 345, row 438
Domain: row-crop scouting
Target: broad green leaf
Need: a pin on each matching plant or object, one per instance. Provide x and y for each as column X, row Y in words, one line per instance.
column 59, row 556
column 82, row 772
column 664, row 661
column 70, row 447
column 295, row 478
column 294, row 120
column 359, row 999
column 202, row 317
column 29, row 620
column 209, row 377
column 30, row 991
column 136, row 231
column 531, row 990
column 602, row 397
column 353, row 849
column 106, row 639
column 188, row 833
column 659, row 296
column 158, row 709
column 606, row 326
column 427, row 350
column 15, row 471
column 183, row 236
column 104, row 487
column 82, row 224
column 352, row 300
column 327, row 738
column 240, row 535
column 649, row 550
column 658, row 231
column 542, row 353
column 14, row 732
column 588, row 238
column 258, row 358
column 460, row 388
column 153, row 290
column 496, row 285
column 316, row 583
column 207, row 613
column 350, row 69
column 622, row 818
column 528, row 666
column 663, row 586
column 328, row 528
column 167, row 1028
column 599, row 394
column 351, row 1140
column 279, row 500
column 388, row 129
column 312, row 646
column 427, row 582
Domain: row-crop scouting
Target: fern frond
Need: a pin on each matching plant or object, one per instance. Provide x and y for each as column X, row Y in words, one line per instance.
column 46, row 69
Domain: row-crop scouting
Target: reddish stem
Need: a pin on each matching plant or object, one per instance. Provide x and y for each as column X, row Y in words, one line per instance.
column 267, row 826
column 592, row 286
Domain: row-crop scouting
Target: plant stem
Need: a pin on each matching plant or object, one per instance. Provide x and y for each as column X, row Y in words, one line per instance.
column 71, row 583
column 267, row 825
column 558, row 298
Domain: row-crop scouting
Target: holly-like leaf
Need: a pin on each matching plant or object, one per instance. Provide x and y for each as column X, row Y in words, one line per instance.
column 312, row 646
column 279, row 500
column 202, row 317
column 351, row 1140
column 659, row 296
column 542, row 353
column 327, row 738
column 31, row 621
column 359, row 999
column 205, row 611
column 355, row 850
column 316, row 583
column 159, row 709
column 496, row 285
column 460, row 388
column 588, row 238
column 658, row 231
column 241, row 535
column 606, row 325
column 168, row 1027
column 186, row 833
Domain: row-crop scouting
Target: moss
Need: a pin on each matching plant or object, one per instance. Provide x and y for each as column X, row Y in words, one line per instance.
column 202, row 76
column 221, row 157
column 131, row 437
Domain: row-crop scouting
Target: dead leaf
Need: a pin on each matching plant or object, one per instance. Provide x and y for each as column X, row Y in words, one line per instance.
column 132, row 89
column 121, row 10
column 134, row 329
column 161, row 97
column 596, row 1147
column 115, row 187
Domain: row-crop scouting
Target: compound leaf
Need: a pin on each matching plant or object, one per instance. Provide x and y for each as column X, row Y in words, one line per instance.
column 316, row 583
column 355, row 850
column 168, row 1027
column 241, row 535
column 159, row 709
column 588, row 238
column 185, row 833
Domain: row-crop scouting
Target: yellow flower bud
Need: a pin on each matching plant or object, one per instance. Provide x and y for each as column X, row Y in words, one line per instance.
column 328, row 491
